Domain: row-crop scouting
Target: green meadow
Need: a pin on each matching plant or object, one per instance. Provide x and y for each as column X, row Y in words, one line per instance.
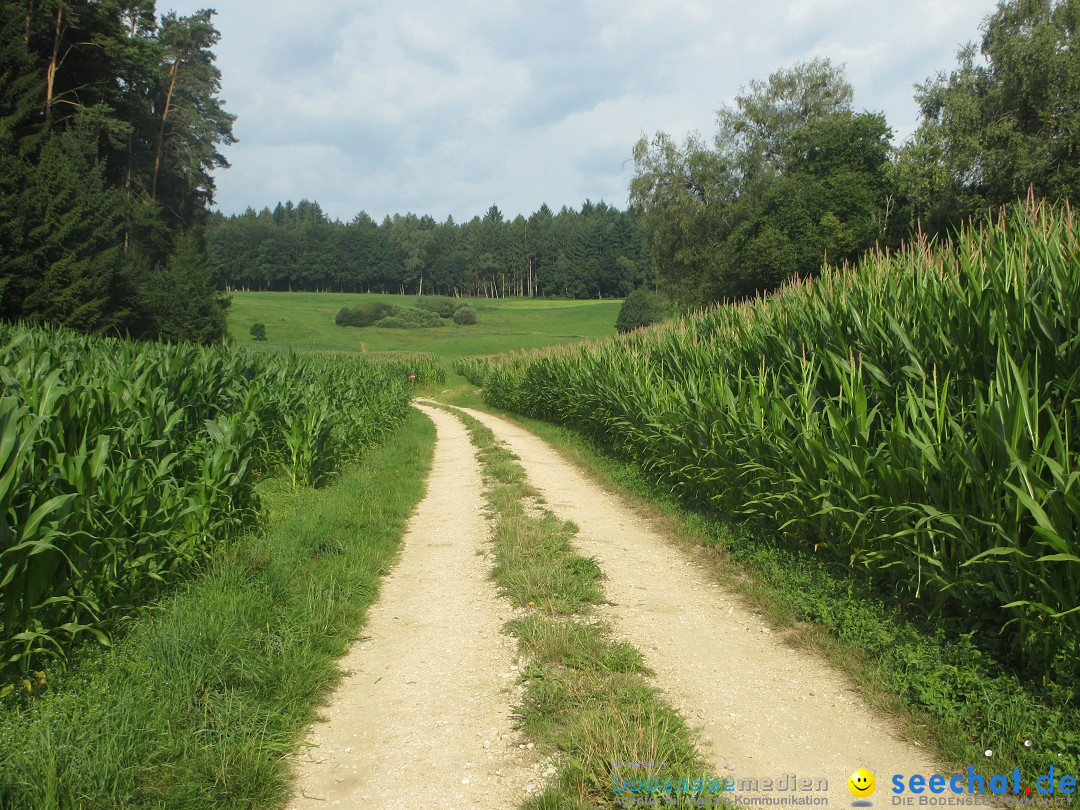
column 305, row 321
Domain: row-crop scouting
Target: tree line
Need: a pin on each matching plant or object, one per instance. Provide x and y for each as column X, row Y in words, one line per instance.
column 597, row 251
column 111, row 124
column 795, row 176
column 110, row 128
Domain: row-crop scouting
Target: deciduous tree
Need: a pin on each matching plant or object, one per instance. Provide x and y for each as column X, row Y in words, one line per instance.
column 1006, row 118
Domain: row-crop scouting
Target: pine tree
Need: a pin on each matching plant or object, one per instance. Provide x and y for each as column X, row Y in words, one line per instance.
column 109, row 127
column 73, row 243
column 16, row 266
column 179, row 297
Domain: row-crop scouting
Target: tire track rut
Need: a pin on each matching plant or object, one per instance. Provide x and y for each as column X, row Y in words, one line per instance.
column 424, row 717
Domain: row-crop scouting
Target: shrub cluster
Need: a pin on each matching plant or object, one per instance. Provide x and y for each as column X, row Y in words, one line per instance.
column 439, row 304
column 366, row 314
column 444, row 307
column 410, row 318
column 642, row 308
column 428, row 311
column 465, row 316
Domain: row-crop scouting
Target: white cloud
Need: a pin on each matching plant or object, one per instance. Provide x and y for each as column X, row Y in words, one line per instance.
column 447, row 108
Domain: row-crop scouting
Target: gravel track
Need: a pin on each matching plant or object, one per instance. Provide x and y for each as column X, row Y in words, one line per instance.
column 424, row 718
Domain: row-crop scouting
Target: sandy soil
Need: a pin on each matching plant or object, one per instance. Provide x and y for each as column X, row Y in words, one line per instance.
column 762, row 709
column 424, row 718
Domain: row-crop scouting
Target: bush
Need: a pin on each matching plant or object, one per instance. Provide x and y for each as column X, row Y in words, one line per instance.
column 465, row 316
column 439, row 304
column 365, row 314
column 642, row 308
column 258, row 331
column 405, row 318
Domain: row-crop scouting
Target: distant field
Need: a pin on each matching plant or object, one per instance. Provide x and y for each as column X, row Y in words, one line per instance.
column 306, row 321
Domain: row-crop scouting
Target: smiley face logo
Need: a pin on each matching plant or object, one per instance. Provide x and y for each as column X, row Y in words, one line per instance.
column 861, row 783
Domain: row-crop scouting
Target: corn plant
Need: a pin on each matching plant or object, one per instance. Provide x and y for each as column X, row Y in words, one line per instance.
column 124, row 466
column 916, row 419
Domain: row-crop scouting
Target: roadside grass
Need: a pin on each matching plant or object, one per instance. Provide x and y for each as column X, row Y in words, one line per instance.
column 202, row 703
column 586, row 699
column 942, row 689
column 305, row 321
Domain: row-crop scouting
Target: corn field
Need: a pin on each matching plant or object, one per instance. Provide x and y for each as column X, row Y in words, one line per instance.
column 917, row 419
column 125, row 465
column 415, row 368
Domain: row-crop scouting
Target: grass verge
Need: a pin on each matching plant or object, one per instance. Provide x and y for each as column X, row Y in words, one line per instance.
column 587, row 699
column 203, row 701
column 944, row 690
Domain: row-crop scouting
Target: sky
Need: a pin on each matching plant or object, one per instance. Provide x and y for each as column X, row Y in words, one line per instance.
column 446, row 108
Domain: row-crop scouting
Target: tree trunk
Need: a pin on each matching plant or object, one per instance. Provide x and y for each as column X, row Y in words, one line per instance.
column 130, row 146
column 50, row 73
column 161, row 129
column 26, row 24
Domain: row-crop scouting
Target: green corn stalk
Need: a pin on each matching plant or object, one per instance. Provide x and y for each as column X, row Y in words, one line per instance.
column 124, row 466
column 916, row 419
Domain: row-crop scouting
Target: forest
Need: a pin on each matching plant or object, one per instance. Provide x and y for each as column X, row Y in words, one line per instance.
column 595, row 252
column 110, row 128
column 794, row 177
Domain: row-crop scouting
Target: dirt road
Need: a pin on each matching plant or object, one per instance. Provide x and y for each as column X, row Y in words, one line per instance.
column 424, row 720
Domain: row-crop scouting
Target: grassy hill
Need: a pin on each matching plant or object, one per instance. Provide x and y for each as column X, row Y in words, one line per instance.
column 306, row 321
